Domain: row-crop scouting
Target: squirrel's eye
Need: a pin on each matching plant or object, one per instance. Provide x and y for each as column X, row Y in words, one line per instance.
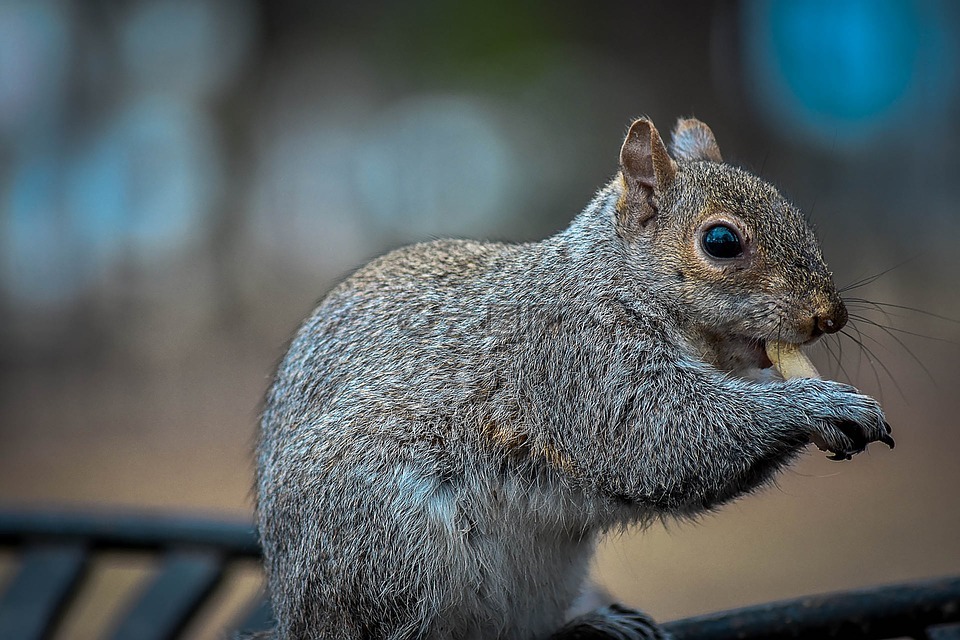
column 720, row 241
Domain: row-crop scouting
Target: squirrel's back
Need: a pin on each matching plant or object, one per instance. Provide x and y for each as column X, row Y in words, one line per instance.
column 398, row 331
column 383, row 405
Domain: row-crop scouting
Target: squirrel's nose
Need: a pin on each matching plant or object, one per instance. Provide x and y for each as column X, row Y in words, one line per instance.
column 830, row 319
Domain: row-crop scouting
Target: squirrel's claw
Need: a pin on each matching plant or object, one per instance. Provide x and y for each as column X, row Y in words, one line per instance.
column 887, row 440
column 856, row 435
column 861, row 444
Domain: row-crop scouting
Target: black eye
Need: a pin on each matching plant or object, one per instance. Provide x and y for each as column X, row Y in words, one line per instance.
column 720, row 241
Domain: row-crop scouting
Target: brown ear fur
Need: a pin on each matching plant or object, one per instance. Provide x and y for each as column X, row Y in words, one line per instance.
column 693, row 140
column 647, row 170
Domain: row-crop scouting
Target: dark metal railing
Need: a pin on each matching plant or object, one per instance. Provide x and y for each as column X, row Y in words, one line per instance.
column 925, row 610
column 54, row 551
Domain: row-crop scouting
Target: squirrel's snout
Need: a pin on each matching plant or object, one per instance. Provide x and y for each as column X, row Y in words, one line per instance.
column 830, row 319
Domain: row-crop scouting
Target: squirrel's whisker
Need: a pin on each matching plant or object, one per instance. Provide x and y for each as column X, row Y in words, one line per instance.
column 864, row 352
column 837, row 355
column 875, row 360
column 914, row 333
column 890, row 332
column 867, row 305
column 871, row 279
column 880, row 305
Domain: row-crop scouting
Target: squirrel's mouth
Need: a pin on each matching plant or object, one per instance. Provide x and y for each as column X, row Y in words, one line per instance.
column 741, row 356
column 747, row 356
column 763, row 360
column 753, row 352
column 774, row 353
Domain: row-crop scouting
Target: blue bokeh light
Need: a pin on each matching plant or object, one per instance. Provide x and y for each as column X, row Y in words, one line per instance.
column 841, row 71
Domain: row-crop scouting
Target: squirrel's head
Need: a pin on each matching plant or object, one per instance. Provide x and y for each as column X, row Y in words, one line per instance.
column 741, row 261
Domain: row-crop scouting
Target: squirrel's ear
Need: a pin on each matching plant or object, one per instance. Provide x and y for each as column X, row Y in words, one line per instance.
column 693, row 140
column 647, row 168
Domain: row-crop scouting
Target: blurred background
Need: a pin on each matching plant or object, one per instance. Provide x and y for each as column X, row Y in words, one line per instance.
column 182, row 180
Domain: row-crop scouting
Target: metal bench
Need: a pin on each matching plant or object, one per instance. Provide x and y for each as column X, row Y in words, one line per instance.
column 53, row 552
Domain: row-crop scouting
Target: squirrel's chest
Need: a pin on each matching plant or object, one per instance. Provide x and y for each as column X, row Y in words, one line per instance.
column 523, row 573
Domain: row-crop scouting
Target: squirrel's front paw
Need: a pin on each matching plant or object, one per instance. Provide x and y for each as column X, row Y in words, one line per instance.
column 848, row 421
column 852, row 433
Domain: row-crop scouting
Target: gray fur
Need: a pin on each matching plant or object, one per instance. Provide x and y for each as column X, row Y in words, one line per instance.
column 458, row 422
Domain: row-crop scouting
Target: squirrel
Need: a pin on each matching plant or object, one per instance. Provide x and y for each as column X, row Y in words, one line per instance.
column 458, row 422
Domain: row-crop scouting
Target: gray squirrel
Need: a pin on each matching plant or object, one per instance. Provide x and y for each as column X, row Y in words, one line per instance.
column 458, row 422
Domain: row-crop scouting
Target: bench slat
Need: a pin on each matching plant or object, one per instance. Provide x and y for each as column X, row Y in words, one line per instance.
column 40, row 590
column 258, row 617
column 168, row 602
